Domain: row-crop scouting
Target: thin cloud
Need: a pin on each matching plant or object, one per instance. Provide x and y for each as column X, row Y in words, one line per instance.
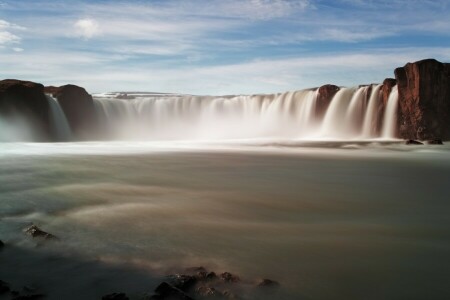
column 86, row 28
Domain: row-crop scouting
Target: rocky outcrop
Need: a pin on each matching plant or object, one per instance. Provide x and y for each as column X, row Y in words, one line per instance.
column 36, row 232
column 386, row 89
column 324, row 96
column 424, row 100
column 78, row 106
column 26, row 100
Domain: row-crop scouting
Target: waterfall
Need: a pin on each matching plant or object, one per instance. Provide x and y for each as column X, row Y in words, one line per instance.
column 333, row 121
column 390, row 116
column 351, row 114
column 371, row 116
column 58, row 120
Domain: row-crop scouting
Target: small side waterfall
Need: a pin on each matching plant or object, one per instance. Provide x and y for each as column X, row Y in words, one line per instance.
column 352, row 114
column 59, row 121
column 390, row 116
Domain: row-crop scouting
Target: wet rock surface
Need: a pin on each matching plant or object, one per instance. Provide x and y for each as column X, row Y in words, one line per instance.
column 268, row 283
column 36, row 232
column 200, row 283
column 413, row 142
column 435, row 142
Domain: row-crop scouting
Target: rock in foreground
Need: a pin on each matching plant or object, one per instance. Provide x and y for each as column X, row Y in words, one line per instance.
column 36, row 232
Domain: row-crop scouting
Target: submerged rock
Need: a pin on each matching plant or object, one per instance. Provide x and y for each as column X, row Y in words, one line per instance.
column 435, row 142
column 36, row 232
column 166, row 291
column 268, row 283
column 182, row 282
column 1, row 244
column 413, row 142
column 228, row 277
column 115, row 296
column 205, row 291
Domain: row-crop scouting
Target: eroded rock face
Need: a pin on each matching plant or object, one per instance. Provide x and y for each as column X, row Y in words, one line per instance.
column 324, row 96
column 27, row 100
column 424, row 100
column 78, row 106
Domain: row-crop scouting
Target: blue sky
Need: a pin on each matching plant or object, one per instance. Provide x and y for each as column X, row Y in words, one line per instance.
column 217, row 46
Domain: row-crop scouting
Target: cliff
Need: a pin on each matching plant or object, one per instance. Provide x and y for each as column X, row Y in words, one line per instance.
column 78, row 106
column 26, row 100
column 424, row 100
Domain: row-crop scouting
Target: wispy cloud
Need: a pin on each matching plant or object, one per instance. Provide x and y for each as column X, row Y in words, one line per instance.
column 213, row 46
column 6, row 36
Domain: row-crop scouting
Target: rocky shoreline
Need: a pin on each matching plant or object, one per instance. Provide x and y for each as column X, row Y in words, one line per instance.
column 188, row 284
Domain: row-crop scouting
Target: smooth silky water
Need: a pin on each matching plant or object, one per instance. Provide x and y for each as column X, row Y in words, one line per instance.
column 328, row 220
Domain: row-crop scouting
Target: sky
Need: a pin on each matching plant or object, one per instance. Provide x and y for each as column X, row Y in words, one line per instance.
column 216, row 46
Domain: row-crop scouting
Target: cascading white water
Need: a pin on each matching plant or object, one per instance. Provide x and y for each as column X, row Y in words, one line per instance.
column 58, row 119
column 334, row 120
column 390, row 116
column 291, row 115
column 371, row 116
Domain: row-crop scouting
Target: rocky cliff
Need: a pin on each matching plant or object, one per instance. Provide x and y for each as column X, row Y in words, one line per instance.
column 424, row 100
column 324, row 96
column 26, row 100
column 79, row 109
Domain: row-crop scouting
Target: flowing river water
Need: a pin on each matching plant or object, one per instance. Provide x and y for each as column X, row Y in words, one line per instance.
column 327, row 220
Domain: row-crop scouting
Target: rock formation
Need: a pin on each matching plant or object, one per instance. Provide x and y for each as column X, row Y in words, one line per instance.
column 27, row 100
column 78, row 106
column 324, row 96
column 424, row 100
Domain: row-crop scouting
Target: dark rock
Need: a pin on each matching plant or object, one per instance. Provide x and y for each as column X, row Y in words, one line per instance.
column 386, row 89
column 413, row 142
column 268, row 283
column 182, row 282
column 424, row 106
column 168, row 291
column 78, row 106
column 4, row 287
column 435, row 142
column 36, row 232
column 211, row 276
column 228, row 277
column 1, row 244
column 115, row 296
column 204, row 291
column 27, row 100
column 324, row 96
column 15, row 293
